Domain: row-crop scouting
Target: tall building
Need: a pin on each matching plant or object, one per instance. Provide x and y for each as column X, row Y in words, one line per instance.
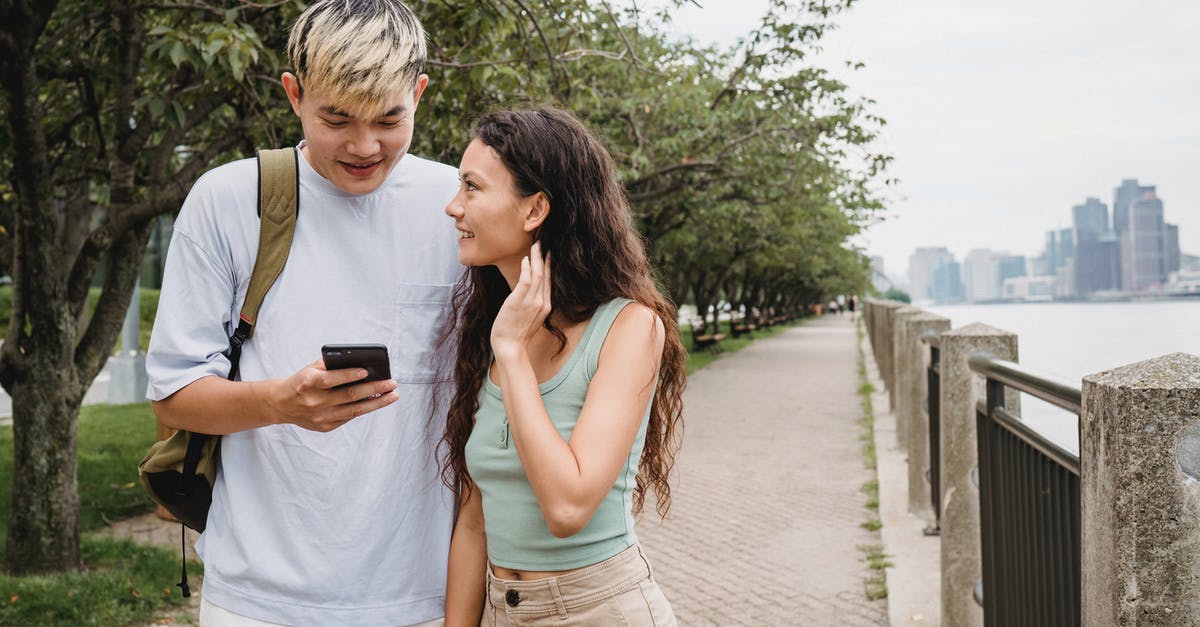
column 1097, row 260
column 1123, row 196
column 947, row 284
column 1171, row 249
column 1091, row 217
column 981, row 276
column 1143, row 254
column 921, row 266
column 984, row 272
column 1011, row 267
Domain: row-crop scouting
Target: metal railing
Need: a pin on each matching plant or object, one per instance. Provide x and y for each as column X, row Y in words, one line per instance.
column 1028, row 504
column 934, row 413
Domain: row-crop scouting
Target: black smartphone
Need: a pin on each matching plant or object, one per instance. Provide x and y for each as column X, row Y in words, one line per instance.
column 372, row 357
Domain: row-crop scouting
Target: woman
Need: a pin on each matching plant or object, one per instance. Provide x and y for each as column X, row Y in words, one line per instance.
column 569, row 382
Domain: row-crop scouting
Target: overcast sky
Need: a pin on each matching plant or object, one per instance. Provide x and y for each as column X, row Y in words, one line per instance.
column 1002, row 115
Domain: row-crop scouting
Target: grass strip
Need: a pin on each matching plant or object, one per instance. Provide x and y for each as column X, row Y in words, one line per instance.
column 874, row 586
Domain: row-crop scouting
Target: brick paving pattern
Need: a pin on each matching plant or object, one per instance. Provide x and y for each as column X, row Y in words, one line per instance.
column 764, row 528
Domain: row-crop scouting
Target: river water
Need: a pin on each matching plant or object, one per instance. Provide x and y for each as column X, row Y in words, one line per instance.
column 1066, row 341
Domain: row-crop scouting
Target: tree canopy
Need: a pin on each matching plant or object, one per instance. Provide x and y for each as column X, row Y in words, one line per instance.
column 748, row 169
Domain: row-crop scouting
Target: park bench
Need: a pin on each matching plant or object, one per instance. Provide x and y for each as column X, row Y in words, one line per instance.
column 738, row 325
column 700, row 339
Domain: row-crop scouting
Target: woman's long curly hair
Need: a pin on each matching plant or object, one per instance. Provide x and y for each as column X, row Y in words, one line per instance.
column 597, row 256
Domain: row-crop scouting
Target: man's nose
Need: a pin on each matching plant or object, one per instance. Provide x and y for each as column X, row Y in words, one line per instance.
column 363, row 144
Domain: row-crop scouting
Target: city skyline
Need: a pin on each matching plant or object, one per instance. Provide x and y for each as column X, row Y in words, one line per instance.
column 1001, row 115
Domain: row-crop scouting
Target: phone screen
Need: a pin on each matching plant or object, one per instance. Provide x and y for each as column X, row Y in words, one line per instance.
column 371, row 357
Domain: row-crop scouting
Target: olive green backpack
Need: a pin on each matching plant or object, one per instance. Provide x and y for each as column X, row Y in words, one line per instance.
column 179, row 472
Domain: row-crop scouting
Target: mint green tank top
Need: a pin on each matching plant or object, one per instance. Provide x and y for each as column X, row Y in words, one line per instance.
column 517, row 536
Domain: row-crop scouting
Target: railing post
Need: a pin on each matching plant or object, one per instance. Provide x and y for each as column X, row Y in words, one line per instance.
column 902, row 370
column 916, row 435
column 887, row 344
column 960, row 495
column 1140, row 493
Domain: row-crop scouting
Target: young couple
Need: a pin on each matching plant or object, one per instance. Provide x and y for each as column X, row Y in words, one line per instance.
column 508, row 499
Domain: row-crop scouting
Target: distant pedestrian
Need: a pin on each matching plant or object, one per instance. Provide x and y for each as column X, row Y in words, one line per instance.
column 851, row 305
column 833, row 308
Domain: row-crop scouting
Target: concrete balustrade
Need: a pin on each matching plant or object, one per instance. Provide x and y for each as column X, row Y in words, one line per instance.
column 902, row 368
column 914, row 379
column 887, row 368
column 1140, row 493
column 1139, row 469
column 960, row 544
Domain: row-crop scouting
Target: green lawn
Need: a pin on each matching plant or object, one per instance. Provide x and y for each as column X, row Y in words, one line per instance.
column 122, row 582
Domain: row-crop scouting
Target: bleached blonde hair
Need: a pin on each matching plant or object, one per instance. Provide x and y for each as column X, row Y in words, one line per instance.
column 358, row 52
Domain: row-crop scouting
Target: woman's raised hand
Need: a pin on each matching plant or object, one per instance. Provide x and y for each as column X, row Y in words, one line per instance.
column 526, row 308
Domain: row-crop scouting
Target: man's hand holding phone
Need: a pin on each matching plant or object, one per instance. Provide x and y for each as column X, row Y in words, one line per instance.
column 347, row 382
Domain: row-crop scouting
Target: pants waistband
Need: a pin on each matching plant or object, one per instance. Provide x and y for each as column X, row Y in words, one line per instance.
column 556, row 595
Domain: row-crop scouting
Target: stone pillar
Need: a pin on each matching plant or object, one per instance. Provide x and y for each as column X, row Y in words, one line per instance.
column 887, row 368
column 961, row 568
column 917, row 436
column 1140, row 493
column 902, row 371
column 871, row 315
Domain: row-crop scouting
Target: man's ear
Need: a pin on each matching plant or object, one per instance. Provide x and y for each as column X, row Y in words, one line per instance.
column 291, row 86
column 422, row 83
column 539, row 210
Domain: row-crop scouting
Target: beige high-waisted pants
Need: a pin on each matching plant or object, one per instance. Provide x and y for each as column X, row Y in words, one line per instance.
column 618, row 591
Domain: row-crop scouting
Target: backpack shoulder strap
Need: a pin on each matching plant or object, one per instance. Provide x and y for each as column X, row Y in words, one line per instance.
column 278, row 206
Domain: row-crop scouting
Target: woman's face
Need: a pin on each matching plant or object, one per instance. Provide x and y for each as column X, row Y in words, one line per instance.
column 489, row 212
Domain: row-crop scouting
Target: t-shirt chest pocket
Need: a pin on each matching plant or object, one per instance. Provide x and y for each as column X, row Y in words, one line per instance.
column 421, row 312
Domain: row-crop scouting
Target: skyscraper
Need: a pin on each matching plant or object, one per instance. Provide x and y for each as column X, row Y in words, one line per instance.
column 923, row 265
column 1090, row 218
column 1123, row 196
column 1171, row 249
column 1096, row 257
column 1143, row 254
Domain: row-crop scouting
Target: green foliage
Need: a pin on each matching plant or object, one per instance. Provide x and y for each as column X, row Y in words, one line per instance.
column 898, row 295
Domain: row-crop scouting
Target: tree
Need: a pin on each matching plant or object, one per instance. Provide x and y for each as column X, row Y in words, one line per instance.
column 110, row 112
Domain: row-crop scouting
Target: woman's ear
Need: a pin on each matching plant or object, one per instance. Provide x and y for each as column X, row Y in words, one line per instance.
column 539, row 210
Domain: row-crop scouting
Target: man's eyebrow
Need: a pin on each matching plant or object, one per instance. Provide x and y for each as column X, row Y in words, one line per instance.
column 332, row 110
column 394, row 111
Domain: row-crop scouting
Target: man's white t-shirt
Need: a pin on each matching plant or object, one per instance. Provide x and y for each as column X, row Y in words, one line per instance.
column 350, row 527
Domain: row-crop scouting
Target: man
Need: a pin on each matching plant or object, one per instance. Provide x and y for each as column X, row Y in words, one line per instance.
column 328, row 508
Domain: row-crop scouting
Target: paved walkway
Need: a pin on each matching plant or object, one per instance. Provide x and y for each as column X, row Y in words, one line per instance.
column 767, row 505
column 767, row 499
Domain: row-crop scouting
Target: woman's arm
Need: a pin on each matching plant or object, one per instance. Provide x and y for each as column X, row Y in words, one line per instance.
column 570, row 479
column 468, row 563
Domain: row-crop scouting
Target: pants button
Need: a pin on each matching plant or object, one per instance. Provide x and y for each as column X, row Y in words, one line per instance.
column 512, row 598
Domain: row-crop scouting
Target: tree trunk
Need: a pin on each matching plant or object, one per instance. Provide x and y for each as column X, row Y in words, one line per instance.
column 43, row 523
